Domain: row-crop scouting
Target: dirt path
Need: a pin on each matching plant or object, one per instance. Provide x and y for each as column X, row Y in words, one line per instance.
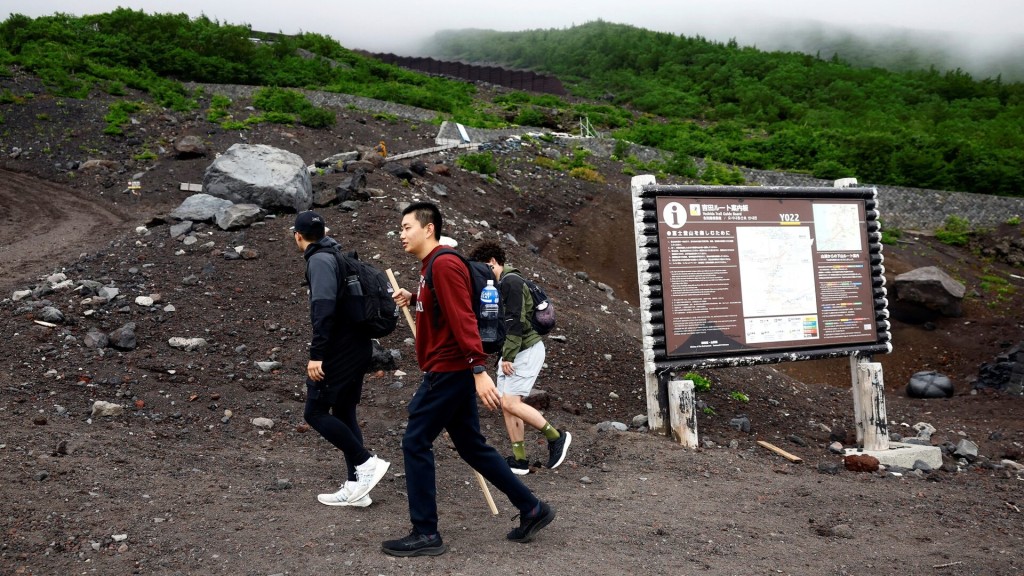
column 43, row 224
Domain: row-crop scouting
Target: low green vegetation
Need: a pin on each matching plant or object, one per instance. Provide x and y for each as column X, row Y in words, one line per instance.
column 891, row 236
column 481, row 163
column 119, row 115
column 700, row 383
column 739, row 396
column 777, row 111
column 694, row 98
column 955, row 231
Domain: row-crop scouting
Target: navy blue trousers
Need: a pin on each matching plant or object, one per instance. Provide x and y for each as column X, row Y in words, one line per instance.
column 447, row 401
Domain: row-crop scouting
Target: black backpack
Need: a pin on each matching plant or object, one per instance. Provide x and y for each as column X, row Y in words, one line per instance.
column 543, row 317
column 365, row 295
column 479, row 274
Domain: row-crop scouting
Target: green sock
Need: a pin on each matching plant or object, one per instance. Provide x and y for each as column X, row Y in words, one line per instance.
column 519, row 450
column 550, row 432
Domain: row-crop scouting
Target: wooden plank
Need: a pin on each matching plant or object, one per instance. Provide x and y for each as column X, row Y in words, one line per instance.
column 780, row 452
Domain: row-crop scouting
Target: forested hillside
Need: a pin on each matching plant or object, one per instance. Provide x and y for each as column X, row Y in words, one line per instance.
column 689, row 96
column 787, row 111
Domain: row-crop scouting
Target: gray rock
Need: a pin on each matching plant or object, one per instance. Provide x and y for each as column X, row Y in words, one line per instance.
column 259, row 174
column 51, row 314
column 190, row 146
column 741, row 423
column 96, row 339
column 124, row 337
column 931, row 288
column 200, row 208
column 108, row 293
column 181, row 228
column 929, row 384
column 966, row 449
column 238, row 216
column 268, row 366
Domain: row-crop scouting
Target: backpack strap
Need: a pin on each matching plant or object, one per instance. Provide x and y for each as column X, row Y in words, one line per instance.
column 428, row 278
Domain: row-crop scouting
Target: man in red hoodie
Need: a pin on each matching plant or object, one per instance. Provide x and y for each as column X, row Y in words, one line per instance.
column 451, row 356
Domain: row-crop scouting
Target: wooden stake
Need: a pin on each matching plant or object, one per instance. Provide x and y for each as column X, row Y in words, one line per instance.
column 780, row 452
column 412, row 326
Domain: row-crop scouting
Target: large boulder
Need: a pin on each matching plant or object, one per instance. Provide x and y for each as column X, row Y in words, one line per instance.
column 263, row 175
column 932, row 289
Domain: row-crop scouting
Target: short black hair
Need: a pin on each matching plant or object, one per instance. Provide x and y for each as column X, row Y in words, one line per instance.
column 426, row 213
column 487, row 250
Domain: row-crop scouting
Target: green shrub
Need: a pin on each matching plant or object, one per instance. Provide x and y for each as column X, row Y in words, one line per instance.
column 588, row 174
column 621, row 149
column 482, row 163
column 119, row 115
column 739, row 396
column 318, row 117
column 529, row 116
column 956, row 231
column 700, row 383
column 891, row 236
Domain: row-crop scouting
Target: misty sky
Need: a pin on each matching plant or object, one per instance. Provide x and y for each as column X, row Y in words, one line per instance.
column 976, row 31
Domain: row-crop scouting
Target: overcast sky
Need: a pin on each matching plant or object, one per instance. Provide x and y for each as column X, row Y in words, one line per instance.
column 399, row 24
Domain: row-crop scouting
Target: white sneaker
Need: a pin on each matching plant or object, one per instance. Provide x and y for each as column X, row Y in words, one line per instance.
column 340, row 498
column 367, row 475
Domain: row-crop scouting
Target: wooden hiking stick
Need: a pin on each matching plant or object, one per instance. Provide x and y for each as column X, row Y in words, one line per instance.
column 412, row 326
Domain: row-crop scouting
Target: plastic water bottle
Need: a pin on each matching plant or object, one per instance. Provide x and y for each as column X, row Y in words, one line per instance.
column 352, row 285
column 489, row 313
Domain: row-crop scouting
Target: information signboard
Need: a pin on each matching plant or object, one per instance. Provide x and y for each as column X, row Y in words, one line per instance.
column 735, row 275
column 742, row 273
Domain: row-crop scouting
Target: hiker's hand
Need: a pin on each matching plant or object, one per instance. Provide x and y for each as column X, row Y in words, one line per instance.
column 487, row 391
column 507, row 369
column 402, row 297
column 315, row 370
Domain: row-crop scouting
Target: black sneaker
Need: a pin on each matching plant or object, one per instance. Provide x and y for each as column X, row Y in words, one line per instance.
column 415, row 545
column 557, row 449
column 530, row 525
column 519, row 467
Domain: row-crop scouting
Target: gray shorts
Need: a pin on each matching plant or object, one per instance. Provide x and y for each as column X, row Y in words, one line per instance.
column 527, row 367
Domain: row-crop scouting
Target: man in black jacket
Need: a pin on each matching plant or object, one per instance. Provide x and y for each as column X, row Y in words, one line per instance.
column 338, row 358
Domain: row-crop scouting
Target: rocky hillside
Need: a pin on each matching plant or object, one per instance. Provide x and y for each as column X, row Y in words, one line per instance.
column 72, row 227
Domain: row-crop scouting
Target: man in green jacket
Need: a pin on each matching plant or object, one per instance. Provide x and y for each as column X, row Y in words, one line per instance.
column 522, row 357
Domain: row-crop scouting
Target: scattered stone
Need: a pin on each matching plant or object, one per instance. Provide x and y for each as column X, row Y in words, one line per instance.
column 741, row 423
column 929, row 384
column 102, row 408
column 187, row 344
column 861, row 463
column 268, row 366
column 265, row 423
column 828, row 468
column 124, row 338
column 95, row 339
column 51, row 314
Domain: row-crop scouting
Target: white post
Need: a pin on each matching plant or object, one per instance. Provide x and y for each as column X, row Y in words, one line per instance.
column 857, row 424
column 655, row 420
column 871, row 416
column 682, row 409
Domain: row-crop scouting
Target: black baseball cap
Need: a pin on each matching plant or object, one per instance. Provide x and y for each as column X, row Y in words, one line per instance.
column 309, row 223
